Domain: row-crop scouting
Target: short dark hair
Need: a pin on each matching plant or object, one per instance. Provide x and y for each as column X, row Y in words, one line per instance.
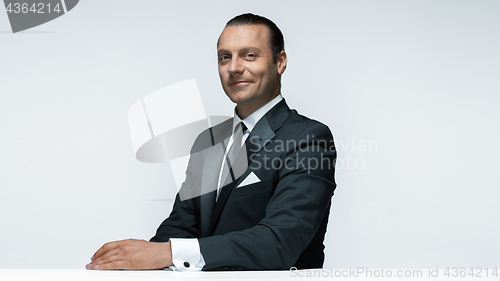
column 276, row 41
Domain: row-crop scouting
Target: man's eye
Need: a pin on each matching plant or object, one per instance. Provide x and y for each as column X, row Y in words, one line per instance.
column 223, row 58
column 250, row 55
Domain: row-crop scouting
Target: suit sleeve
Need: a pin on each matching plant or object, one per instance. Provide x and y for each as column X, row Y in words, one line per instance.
column 293, row 215
column 183, row 221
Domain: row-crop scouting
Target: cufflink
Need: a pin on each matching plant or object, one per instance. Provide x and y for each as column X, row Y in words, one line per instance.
column 186, row 264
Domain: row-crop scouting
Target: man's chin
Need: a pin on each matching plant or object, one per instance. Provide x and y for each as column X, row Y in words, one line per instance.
column 240, row 98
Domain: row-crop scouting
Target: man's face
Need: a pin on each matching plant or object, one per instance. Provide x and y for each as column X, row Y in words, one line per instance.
column 247, row 72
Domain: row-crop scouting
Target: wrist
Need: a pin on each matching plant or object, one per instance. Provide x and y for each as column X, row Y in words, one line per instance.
column 163, row 257
column 168, row 254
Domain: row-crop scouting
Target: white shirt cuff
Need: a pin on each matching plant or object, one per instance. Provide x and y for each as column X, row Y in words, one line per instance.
column 186, row 255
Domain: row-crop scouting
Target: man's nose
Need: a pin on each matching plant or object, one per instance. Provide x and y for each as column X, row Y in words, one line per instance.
column 236, row 66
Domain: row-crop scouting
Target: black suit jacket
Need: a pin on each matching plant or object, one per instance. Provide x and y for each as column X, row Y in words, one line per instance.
column 276, row 223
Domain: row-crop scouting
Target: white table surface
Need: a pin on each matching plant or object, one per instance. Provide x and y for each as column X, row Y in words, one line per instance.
column 82, row 274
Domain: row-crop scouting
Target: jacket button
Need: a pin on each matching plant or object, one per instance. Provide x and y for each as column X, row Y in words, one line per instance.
column 186, row 264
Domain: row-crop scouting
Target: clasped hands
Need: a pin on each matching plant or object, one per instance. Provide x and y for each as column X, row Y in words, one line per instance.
column 132, row 254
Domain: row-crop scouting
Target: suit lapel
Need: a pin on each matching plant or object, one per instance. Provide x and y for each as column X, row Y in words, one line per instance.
column 261, row 135
column 258, row 138
column 208, row 182
column 210, row 174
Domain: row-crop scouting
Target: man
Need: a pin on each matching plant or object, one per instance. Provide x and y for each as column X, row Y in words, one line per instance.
column 273, row 212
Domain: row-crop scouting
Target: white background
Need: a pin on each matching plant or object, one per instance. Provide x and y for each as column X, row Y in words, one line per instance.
column 418, row 80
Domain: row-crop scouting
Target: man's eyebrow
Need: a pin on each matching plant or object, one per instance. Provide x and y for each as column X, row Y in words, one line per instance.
column 222, row 51
column 243, row 50
column 250, row 50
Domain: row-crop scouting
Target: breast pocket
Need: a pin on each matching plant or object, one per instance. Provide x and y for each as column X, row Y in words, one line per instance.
column 263, row 187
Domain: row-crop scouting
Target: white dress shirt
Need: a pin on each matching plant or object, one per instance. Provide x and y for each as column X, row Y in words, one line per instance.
column 186, row 255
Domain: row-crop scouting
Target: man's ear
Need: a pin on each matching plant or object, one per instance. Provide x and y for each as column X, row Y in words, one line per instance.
column 281, row 62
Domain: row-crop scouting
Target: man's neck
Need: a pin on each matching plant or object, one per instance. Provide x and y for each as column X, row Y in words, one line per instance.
column 252, row 119
column 244, row 110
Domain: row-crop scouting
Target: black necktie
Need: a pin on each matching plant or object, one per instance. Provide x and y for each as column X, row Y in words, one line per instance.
column 232, row 166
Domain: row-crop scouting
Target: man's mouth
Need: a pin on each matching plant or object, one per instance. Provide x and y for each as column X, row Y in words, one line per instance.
column 239, row 83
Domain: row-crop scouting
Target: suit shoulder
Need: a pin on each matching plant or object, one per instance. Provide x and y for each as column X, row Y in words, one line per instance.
column 304, row 124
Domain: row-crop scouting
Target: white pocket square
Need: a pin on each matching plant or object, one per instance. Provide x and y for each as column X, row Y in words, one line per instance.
column 251, row 178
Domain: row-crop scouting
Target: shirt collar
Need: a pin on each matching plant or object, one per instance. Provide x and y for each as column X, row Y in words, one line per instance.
column 253, row 118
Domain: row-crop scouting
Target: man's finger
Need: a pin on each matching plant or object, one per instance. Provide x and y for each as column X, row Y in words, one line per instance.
column 108, row 257
column 106, row 248
column 118, row 264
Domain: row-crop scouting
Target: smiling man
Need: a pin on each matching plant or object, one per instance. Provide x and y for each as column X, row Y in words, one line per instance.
column 249, row 70
column 258, row 186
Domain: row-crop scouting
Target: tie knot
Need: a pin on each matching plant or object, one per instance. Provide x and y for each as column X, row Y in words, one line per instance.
column 242, row 126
